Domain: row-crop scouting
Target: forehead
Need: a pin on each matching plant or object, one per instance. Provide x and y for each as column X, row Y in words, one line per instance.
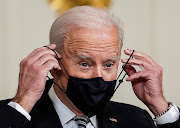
column 101, row 42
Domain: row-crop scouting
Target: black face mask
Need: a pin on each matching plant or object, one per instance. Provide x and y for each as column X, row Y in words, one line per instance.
column 90, row 95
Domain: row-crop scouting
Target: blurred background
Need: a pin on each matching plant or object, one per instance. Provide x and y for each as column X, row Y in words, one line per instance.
column 151, row 26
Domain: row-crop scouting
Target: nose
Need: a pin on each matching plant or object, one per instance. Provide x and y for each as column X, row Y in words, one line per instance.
column 97, row 72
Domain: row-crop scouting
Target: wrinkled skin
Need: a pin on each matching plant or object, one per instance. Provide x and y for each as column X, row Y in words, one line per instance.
column 88, row 54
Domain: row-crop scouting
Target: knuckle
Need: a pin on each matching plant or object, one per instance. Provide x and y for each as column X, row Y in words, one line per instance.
column 38, row 49
column 51, row 63
column 155, row 74
column 53, row 58
column 41, row 50
column 34, row 67
column 160, row 68
column 142, row 62
column 48, row 64
column 35, row 50
column 48, row 56
column 27, row 63
column 144, row 55
column 22, row 63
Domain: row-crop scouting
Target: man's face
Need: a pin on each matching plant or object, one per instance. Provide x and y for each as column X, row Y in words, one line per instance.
column 89, row 54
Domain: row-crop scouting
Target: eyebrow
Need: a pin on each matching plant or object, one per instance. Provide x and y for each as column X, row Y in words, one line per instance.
column 114, row 58
column 83, row 57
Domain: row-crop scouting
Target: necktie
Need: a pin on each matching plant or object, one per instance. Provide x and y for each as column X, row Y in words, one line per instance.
column 81, row 121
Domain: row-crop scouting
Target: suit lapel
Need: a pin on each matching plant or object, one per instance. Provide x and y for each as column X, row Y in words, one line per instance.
column 44, row 114
column 107, row 119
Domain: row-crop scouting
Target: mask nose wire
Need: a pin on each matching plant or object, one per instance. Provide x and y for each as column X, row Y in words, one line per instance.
column 62, row 66
column 121, row 80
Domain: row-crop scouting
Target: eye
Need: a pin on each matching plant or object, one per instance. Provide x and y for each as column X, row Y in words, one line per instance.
column 108, row 65
column 84, row 64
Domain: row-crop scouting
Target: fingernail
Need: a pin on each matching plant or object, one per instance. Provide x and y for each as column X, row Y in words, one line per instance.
column 123, row 60
column 53, row 45
column 129, row 51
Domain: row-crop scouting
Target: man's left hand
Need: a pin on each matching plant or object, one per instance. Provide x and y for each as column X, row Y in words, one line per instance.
column 146, row 83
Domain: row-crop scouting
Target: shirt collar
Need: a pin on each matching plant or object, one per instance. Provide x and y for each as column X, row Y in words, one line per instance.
column 94, row 121
column 64, row 113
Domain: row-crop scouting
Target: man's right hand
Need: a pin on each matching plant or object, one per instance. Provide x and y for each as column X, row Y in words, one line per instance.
column 32, row 77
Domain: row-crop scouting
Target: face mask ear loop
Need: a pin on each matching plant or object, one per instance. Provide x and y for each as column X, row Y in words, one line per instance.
column 121, row 80
column 56, row 84
column 58, row 59
column 62, row 66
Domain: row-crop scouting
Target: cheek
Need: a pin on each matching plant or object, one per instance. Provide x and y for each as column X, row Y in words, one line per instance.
column 74, row 70
column 82, row 73
column 114, row 72
column 109, row 76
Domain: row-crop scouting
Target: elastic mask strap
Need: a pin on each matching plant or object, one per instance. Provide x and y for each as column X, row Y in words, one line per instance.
column 58, row 59
column 121, row 80
column 56, row 84
column 62, row 66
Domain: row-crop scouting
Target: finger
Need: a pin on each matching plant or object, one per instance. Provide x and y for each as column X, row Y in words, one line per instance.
column 43, row 52
column 139, row 55
column 129, row 70
column 52, row 50
column 143, row 64
column 137, row 75
column 39, row 54
column 44, row 58
column 29, row 61
column 49, row 65
column 53, row 46
column 43, row 49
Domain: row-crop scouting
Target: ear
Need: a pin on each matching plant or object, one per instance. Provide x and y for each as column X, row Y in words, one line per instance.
column 55, row 73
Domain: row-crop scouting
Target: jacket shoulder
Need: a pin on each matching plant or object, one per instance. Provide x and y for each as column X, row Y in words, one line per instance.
column 128, row 115
column 4, row 102
column 127, row 110
column 123, row 106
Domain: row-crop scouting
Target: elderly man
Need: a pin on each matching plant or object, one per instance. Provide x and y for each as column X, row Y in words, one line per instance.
column 83, row 58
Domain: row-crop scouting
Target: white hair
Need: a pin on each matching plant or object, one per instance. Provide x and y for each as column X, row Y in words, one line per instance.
column 82, row 17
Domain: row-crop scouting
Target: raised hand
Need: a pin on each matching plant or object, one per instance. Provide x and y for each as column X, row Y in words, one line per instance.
column 32, row 76
column 146, row 83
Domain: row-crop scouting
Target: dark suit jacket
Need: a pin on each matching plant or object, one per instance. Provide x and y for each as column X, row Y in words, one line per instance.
column 43, row 115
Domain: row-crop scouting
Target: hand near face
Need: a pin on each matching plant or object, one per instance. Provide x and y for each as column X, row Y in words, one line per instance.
column 32, row 77
column 146, row 83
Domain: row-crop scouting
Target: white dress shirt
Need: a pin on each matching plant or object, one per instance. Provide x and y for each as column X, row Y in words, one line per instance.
column 170, row 116
column 66, row 115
